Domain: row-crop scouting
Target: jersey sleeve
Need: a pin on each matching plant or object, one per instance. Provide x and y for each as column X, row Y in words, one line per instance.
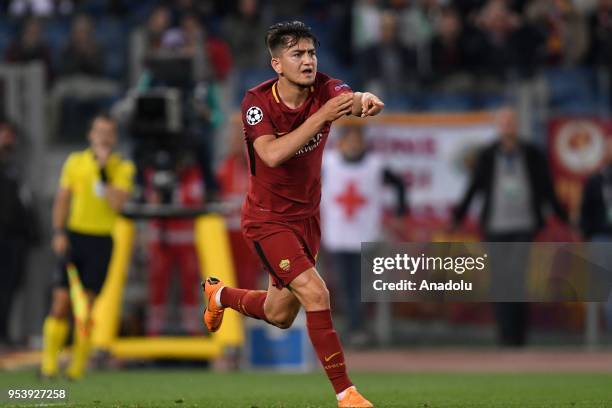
column 124, row 179
column 255, row 117
column 67, row 176
column 334, row 87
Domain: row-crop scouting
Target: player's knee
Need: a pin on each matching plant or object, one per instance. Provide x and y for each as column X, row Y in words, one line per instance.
column 319, row 298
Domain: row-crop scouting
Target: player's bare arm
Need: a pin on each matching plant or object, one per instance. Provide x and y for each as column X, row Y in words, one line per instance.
column 366, row 104
column 275, row 151
column 61, row 208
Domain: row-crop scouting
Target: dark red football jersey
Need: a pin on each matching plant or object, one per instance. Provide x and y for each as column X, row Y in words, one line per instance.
column 291, row 191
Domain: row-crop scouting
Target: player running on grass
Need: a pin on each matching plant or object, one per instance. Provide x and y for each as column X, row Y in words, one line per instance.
column 286, row 124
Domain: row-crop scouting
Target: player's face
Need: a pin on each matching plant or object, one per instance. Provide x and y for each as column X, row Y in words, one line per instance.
column 103, row 133
column 507, row 125
column 298, row 64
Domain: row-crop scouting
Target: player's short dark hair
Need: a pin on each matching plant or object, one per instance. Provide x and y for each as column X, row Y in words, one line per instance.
column 287, row 34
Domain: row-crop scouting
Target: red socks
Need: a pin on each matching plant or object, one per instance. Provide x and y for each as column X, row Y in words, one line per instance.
column 320, row 329
column 327, row 346
column 247, row 302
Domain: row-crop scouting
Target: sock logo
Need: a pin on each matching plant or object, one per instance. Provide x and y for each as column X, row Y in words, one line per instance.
column 332, row 356
column 331, row 366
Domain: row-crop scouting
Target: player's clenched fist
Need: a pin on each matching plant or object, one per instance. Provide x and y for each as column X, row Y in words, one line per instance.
column 337, row 107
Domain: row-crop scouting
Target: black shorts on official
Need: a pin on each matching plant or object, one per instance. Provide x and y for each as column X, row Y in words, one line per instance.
column 91, row 255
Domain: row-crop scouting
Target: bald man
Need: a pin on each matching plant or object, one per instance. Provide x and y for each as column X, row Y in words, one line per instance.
column 512, row 177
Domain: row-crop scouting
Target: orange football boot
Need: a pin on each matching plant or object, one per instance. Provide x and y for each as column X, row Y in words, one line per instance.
column 213, row 314
column 353, row 399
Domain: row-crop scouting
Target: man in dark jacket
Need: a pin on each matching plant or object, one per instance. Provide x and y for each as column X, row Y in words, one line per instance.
column 17, row 228
column 514, row 180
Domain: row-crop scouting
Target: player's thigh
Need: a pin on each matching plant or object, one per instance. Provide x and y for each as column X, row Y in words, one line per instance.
column 311, row 291
column 280, row 303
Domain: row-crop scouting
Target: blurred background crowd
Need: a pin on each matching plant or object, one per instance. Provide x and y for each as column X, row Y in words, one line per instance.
column 419, row 55
column 173, row 74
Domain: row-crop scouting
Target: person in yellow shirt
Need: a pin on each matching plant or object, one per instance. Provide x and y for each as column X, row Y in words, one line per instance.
column 94, row 185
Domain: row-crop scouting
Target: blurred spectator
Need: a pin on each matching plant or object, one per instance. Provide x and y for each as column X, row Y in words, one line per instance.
column 30, row 46
column 41, row 8
column 191, row 38
column 351, row 213
column 220, row 57
column 196, row 7
column 566, row 41
column 81, row 80
column 204, row 111
column 447, row 52
column 415, row 20
column 468, row 9
column 600, row 26
column 82, row 55
column 146, row 40
column 500, row 44
column 513, row 178
column 233, row 176
column 388, row 68
column 600, row 37
column 242, row 31
column 171, row 245
column 366, row 24
column 18, row 230
column 207, row 118
column 596, row 214
column 188, row 40
column 205, row 115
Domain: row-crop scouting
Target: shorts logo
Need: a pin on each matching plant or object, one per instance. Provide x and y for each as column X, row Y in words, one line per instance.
column 284, row 264
column 254, row 115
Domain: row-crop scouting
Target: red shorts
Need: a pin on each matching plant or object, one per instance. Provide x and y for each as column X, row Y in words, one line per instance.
column 286, row 249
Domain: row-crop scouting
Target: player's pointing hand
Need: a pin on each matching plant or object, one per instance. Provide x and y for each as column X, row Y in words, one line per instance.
column 370, row 104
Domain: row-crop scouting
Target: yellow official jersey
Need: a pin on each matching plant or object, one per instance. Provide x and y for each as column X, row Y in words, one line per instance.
column 90, row 213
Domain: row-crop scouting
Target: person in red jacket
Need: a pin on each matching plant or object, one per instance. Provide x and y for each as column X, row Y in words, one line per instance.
column 171, row 245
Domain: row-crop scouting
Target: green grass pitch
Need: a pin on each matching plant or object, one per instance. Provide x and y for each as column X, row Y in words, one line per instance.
column 200, row 388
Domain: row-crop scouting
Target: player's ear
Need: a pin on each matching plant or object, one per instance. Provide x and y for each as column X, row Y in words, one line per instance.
column 276, row 65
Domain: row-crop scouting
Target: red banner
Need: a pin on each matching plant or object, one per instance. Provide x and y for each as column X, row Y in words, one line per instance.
column 576, row 148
